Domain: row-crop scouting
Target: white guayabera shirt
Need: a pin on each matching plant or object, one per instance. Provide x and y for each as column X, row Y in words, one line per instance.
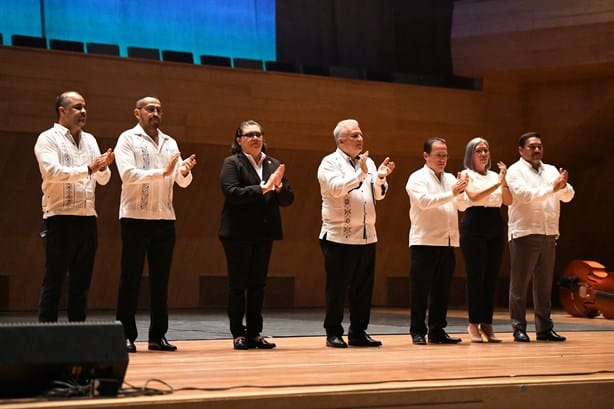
column 146, row 192
column 348, row 199
column 68, row 188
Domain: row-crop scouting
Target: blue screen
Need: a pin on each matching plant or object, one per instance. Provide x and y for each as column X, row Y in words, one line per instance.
column 231, row 28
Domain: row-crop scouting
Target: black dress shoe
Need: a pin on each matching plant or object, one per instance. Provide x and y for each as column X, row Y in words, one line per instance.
column 240, row 343
column 259, row 343
column 130, row 346
column 442, row 337
column 550, row 336
column 520, row 336
column 418, row 339
column 161, row 345
column 363, row 340
column 335, row 341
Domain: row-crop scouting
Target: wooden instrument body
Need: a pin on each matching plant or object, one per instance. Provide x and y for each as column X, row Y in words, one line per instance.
column 587, row 289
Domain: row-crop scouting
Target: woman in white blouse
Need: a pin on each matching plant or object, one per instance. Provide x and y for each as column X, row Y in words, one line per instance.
column 482, row 236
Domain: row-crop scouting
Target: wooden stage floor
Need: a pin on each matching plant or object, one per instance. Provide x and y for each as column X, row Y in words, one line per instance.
column 302, row 373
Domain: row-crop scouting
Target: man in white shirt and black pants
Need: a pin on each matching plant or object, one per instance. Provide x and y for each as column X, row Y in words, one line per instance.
column 350, row 184
column 149, row 165
column 71, row 165
column 533, row 228
column 434, row 197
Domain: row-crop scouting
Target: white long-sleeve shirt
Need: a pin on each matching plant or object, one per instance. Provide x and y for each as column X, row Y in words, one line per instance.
column 146, row 192
column 67, row 187
column 348, row 199
column 433, row 209
column 480, row 183
column 536, row 208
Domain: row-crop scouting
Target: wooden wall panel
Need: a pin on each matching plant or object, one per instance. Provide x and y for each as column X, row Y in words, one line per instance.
column 499, row 35
column 204, row 105
column 575, row 119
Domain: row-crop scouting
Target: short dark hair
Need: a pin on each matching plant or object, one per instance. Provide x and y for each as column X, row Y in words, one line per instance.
column 527, row 135
column 138, row 101
column 60, row 101
column 428, row 144
column 235, row 147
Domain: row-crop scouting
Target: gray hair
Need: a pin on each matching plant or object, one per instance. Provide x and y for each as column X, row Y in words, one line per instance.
column 470, row 149
column 341, row 127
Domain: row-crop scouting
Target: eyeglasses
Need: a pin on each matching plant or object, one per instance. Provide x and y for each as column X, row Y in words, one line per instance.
column 534, row 147
column 253, row 135
column 151, row 109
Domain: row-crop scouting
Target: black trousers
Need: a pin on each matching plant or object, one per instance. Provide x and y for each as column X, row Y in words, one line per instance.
column 431, row 272
column 350, row 267
column 70, row 249
column 248, row 265
column 482, row 237
column 154, row 239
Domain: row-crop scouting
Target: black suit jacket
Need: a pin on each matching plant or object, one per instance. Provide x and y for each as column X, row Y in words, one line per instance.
column 248, row 214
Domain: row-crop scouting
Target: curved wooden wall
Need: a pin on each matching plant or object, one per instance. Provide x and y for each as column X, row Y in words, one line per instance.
column 503, row 35
column 560, row 55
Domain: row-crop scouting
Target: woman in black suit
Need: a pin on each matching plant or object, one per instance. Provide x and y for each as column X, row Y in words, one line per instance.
column 254, row 188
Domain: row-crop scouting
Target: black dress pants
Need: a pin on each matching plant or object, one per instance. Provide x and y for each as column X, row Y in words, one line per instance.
column 248, row 265
column 154, row 239
column 348, row 267
column 431, row 272
column 482, row 238
column 70, row 249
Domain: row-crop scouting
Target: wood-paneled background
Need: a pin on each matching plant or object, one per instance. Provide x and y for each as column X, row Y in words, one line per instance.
column 572, row 105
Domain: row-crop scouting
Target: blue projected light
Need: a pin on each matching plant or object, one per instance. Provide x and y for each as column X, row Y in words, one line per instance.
column 20, row 17
column 238, row 28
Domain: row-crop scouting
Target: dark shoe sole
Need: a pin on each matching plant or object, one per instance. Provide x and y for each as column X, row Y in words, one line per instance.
column 443, row 342
column 328, row 344
column 257, row 346
column 361, row 344
column 158, row 348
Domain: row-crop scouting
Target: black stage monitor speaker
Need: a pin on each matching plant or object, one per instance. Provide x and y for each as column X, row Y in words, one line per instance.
column 34, row 355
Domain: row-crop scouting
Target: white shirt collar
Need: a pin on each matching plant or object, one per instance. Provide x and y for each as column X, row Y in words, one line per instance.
column 530, row 165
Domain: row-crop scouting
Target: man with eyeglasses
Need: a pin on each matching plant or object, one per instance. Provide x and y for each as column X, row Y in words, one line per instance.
column 435, row 197
column 350, row 184
column 149, row 164
column 533, row 228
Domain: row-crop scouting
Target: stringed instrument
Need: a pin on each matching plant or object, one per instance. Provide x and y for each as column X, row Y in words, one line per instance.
column 587, row 289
